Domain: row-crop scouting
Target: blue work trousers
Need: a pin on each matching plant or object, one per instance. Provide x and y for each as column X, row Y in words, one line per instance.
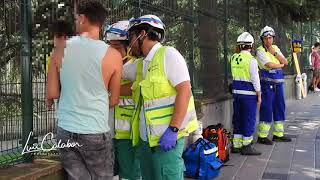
column 244, row 114
column 273, row 102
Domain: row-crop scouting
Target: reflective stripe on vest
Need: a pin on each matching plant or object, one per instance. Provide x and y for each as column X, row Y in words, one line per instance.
column 241, row 79
column 275, row 76
column 155, row 108
column 123, row 116
column 272, row 80
column 158, row 100
column 243, row 92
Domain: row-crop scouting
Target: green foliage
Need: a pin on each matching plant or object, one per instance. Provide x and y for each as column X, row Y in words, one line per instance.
column 9, row 107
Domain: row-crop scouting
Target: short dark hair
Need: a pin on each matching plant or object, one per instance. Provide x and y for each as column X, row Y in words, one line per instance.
column 62, row 28
column 316, row 44
column 93, row 10
column 153, row 34
column 244, row 47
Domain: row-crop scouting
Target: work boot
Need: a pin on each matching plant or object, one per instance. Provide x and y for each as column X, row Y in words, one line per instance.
column 264, row 141
column 281, row 139
column 235, row 150
column 249, row 150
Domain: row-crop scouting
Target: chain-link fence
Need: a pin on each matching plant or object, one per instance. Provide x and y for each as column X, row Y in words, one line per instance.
column 205, row 33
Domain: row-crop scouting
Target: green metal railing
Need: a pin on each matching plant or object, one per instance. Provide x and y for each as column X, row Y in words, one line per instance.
column 205, row 33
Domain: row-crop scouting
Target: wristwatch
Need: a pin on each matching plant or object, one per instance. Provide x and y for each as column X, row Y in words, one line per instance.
column 275, row 54
column 174, row 129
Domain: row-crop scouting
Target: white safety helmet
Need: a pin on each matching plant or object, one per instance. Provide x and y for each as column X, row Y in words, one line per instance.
column 117, row 31
column 153, row 20
column 267, row 31
column 245, row 39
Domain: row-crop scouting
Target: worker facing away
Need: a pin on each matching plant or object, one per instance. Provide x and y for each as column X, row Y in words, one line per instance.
column 246, row 94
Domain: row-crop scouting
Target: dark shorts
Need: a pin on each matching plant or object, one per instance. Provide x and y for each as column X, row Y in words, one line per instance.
column 94, row 160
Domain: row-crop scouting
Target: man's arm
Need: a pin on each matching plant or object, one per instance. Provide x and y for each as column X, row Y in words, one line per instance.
column 181, row 103
column 272, row 65
column 111, row 71
column 53, row 81
column 266, row 61
column 278, row 55
column 125, row 90
column 178, row 75
column 254, row 73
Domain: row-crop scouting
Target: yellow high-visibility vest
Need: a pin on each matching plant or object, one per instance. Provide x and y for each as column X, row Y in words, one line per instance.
column 123, row 115
column 269, row 55
column 156, row 94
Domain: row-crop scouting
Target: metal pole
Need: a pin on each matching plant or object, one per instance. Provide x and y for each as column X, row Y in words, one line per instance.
column 26, row 77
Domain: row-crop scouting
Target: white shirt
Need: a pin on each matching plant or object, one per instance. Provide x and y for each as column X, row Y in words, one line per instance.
column 254, row 73
column 263, row 58
column 175, row 69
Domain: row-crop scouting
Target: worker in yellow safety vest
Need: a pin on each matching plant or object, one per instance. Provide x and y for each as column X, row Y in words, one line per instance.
column 165, row 110
column 271, row 61
column 246, row 95
column 126, row 160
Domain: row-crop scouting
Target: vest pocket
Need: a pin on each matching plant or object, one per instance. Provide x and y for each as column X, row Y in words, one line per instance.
column 161, row 86
column 146, row 91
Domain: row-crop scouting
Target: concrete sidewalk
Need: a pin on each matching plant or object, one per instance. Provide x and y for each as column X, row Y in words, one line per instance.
column 297, row 160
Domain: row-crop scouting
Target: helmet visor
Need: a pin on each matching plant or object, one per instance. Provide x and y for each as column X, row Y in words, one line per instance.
column 137, row 21
column 268, row 33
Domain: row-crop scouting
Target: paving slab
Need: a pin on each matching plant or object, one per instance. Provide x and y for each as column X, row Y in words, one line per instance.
column 254, row 166
column 317, row 159
column 303, row 162
column 232, row 167
column 280, row 160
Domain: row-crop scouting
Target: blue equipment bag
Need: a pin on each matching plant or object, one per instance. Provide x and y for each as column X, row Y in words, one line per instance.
column 201, row 161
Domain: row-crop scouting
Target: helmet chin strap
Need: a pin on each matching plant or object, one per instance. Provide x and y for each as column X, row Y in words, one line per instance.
column 128, row 55
column 140, row 42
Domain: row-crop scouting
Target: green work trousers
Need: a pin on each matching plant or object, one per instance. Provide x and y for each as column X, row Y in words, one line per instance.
column 159, row 165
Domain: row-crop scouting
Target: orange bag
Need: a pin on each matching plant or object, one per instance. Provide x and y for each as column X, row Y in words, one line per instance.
column 220, row 136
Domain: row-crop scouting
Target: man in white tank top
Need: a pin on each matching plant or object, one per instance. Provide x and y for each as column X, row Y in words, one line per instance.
column 87, row 84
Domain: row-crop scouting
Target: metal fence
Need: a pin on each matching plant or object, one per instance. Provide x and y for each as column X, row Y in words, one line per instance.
column 203, row 31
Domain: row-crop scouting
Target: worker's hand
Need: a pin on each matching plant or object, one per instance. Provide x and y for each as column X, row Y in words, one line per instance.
column 259, row 100
column 168, row 140
column 271, row 50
